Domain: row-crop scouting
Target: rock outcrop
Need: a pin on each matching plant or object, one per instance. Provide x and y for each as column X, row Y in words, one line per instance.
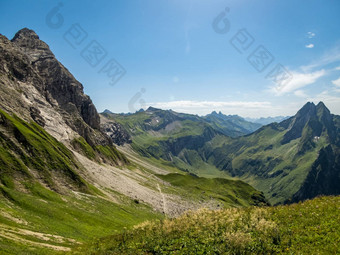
column 45, row 90
column 116, row 132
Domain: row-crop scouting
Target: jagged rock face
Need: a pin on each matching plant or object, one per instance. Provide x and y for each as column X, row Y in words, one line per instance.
column 57, row 80
column 116, row 132
column 36, row 86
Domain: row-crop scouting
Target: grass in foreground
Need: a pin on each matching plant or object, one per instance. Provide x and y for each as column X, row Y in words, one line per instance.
column 28, row 221
column 311, row 227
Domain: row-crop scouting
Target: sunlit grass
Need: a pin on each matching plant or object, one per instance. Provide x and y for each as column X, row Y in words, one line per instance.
column 311, row 227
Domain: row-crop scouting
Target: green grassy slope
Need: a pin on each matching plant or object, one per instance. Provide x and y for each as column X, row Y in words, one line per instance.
column 296, row 159
column 311, row 227
column 35, row 169
column 78, row 216
column 28, row 152
column 170, row 136
column 229, row 193
column 261, row 160
column 101, row 153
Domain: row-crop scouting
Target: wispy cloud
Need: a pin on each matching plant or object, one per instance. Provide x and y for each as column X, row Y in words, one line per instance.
column 298, row 81
column 336, row 82
column 311, row 35
column 207, row 104
column 310, row 46
column 300, row 93
column 331, row 56
column 203, row 107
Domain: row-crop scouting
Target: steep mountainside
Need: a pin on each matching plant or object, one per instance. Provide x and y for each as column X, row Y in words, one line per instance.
column 37, row 87
column 295, row 159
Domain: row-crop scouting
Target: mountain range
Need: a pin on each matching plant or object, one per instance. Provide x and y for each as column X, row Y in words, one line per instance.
column 267, row 120
column 69, row 174
column 293, row 160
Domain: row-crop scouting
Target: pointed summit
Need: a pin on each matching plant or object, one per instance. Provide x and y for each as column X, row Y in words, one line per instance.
column 25, row 33
column 323, row 112
column 321, row 104
column 107, row 111
column 308, row 109
column 325, row 117
column 53, row 81
column 31, row 44
column 298, row 122
column 315, row 117
column 152, row 109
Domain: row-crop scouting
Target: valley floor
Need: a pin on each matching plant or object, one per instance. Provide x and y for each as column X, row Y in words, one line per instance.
column 140, row 210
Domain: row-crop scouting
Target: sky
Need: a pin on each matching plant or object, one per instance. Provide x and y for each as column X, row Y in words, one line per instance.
column 251, row 58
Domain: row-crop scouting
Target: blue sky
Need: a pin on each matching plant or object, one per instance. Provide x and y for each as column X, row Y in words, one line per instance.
column 176, row 57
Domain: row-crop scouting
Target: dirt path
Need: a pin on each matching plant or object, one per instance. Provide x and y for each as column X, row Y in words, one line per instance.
column 163, row 198
column 18, row 235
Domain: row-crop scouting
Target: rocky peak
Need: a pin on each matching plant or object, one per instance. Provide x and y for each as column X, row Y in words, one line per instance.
column 298, row 122
column 58, row 83
column 152, row 109
column 315, row 117
column 30, row 43
column 26, row 35
column 323, row 112
column 107, row 111
column 308, row 110
column 29, row 70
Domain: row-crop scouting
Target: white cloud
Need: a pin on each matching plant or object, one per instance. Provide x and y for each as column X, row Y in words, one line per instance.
column 243, row 108
column 310, row 34
column 205, row 104
column 310, row 46
column 331, row 56
column 298, row 81
column 336, row 82
column 300, row 93
column 337, row 68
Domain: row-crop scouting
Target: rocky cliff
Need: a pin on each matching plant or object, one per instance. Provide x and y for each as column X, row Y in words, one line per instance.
column 36, row 86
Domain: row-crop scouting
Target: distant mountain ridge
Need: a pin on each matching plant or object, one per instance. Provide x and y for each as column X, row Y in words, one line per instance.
column 280, row 159
column 231, row 125
column 286, row 159
column 267, row 120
